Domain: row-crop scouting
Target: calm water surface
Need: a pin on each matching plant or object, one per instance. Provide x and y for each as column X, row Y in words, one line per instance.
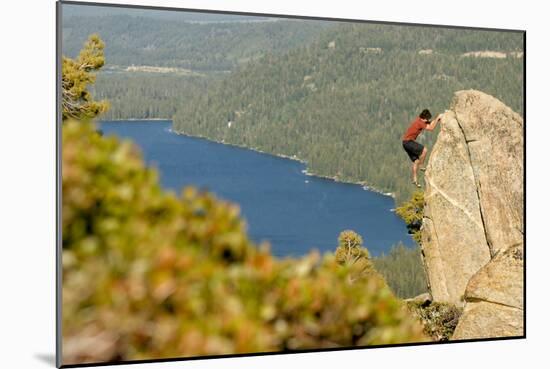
column 282, row 205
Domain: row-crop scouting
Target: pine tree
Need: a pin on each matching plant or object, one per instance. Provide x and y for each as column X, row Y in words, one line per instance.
column 77, row 74
column 351, row 253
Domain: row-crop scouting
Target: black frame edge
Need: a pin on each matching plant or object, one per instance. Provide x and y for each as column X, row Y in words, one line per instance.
column 525, row 184
column 58, row 183
column 276, row 353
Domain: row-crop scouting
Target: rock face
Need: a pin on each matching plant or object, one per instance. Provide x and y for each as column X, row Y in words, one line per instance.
column 494, row 298
column 472, row 232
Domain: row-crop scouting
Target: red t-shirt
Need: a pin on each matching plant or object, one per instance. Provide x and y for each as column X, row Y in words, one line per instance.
column 414, row 129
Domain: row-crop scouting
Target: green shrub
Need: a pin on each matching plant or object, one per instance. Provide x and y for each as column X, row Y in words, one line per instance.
column 148, row 274
column 412, row 212
column 439, row 319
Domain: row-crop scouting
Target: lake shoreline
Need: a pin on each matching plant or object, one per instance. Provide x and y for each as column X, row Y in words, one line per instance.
column 279, row 201
column 307, row 172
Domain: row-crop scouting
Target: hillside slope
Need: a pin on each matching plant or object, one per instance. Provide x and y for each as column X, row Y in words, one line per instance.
column 139, row 40
column 343, row 103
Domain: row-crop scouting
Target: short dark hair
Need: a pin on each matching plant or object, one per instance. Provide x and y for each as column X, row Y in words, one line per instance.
column 426, row 114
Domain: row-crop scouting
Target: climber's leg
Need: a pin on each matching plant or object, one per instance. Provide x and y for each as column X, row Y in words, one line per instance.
column 414, row 170
column 422, row 157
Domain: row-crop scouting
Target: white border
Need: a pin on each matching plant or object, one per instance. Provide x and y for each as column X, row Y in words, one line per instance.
column 27, row 181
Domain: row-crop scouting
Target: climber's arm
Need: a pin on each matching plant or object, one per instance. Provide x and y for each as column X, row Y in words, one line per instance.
column 433, row 124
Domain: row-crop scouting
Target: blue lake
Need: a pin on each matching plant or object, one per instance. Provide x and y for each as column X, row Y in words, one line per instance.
column 282, row 205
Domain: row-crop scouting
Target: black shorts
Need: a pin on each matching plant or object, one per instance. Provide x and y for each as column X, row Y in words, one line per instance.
column 413, row 148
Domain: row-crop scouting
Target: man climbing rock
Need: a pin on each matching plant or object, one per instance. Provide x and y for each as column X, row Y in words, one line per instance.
column 416, row 151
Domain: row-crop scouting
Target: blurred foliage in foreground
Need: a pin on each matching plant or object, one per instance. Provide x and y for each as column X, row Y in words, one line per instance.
column 403, row 270
column 148, row 274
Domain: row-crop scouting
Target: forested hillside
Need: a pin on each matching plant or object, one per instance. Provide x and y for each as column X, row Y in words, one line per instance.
column 143, row 95
column 343, row 102
column 169, row 42
column 189, row 49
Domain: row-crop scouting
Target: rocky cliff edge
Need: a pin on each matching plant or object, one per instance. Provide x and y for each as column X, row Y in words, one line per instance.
column 473, row 227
